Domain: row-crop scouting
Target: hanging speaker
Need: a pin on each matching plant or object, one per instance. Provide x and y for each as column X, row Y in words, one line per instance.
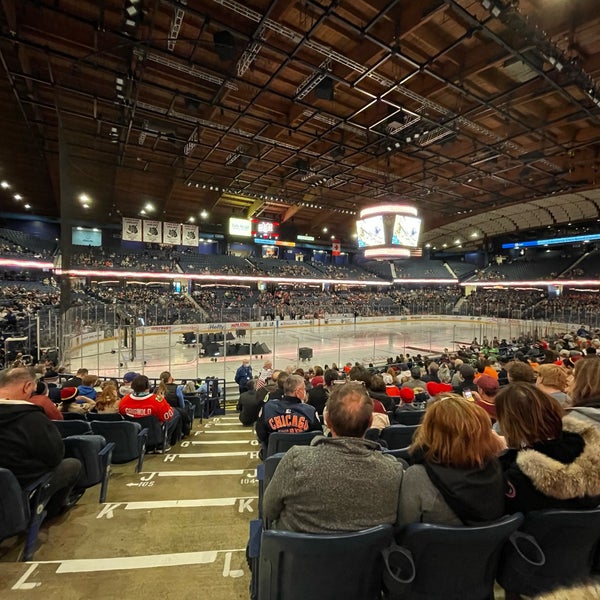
column 324, row 89
column 224, row 45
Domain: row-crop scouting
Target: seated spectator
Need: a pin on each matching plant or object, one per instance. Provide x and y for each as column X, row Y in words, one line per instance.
column 584, row 390
column 290, row 414
column 377, row 390
column 380, row 416
column 107, row 401
column 72, row 402
column 391, row 389
column 432, row 373
column 76, row 380
column 485, row 396
column 270, row 385
column 40, row 398
column 407, row 402
column 248, row 406
column 143, row 403
column 125, row 387
column 189, row 387
column 519, row 371
column 264, row 374
column 277, row 392
column 173, row 394
column 341, row 483
column 455, row 478
column 466, row 379
column 87, row 387
column 415, row 380
column 30, row 444
column 317, row 397
column 552, row 379
column 551, row 462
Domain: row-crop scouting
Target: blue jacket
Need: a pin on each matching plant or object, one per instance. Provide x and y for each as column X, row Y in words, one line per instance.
column 289, row 415
column 242, row 376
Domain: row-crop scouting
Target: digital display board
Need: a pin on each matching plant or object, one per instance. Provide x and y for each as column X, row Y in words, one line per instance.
column 82, row 236
column 370, row 232
column 240, row 227
column 406, row 231
column 553, row 241
column 266, row 230
column 270, row 252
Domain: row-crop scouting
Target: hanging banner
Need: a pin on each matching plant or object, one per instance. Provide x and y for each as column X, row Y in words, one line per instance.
column 336, row 248
column 172, row 234
column 190, row 235
column 152, row 231
column 131, row 230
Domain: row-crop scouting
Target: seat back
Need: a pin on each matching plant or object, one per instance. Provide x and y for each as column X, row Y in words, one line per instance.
column 398, row 436
column 22, row 510
column 104, row 416
column 569, row 540
column 125, row 436
column 74, row 427
column 14, row 512
column 302, row 566
column 87, row 448
column 266, row 471
column 409, row 417
column 156, row 431
column 450, row 563
column 402, row 453
column 282, row 442
column 73, row 416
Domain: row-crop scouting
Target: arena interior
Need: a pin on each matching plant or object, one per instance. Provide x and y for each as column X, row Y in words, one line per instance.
column 193, row 185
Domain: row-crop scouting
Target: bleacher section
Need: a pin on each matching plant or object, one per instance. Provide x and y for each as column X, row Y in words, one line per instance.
column 216, row 264
column 344, row 272
column 421, row 268
column 17, row 243
column 286, row 268
column 587, row 268
column 539, row 266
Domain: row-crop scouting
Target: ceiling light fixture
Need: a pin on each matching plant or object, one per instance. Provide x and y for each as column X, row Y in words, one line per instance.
column 18, row 197
column 5, row 185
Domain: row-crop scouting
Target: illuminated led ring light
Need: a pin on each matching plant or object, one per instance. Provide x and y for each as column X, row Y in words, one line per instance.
column 388, row 230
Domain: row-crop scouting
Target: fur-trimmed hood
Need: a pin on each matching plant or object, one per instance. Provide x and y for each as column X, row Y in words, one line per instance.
column 564, row 481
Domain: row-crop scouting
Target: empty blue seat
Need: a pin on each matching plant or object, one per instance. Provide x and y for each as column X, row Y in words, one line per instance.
column 440, row 562
column 129, row 439
column 74, row 427
column 398, row 436
column 569, row 540
column 22, row 510
column 303, row 566
column 103, row 416
column 94, row 453
column 282, row 442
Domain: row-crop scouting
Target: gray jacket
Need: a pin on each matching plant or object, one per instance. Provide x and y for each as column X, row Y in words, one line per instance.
column 335, row 484
column 421, row 501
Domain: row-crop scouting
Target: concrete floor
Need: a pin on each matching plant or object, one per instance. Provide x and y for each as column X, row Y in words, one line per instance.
column 177, row 530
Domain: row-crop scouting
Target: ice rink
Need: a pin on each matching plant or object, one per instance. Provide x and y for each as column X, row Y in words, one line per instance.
column 330, row 343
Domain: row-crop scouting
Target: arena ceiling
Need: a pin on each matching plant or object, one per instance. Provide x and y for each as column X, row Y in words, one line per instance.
column 483, row 113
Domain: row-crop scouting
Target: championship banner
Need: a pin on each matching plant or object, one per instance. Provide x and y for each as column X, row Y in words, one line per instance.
column 336, row 248
column 172, row 234
column 152, row 231
column 190, row 235
column 131, row 230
